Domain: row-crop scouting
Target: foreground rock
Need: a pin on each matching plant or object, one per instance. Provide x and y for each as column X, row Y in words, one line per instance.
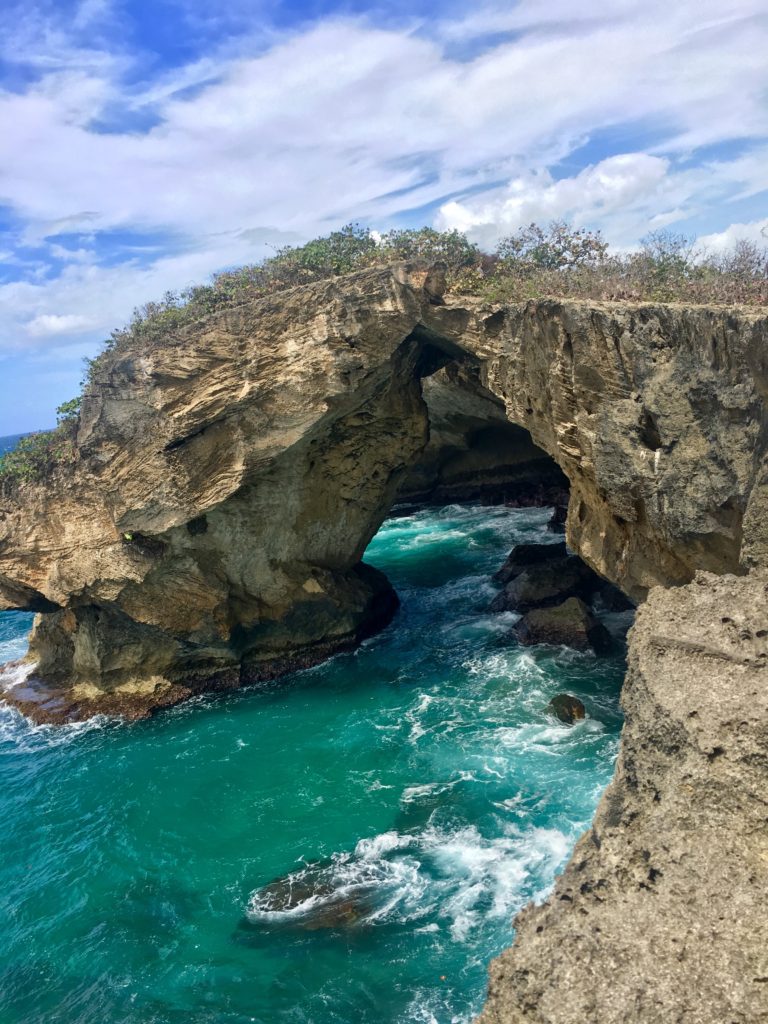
column 570, row 624
column 660, row 914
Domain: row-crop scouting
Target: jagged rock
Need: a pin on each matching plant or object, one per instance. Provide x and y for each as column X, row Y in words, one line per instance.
column 289, row 424
column 474, row 452
column 567, row 708
column 570, row 624
column 546, row 584
column 660, row 914
column 522, row 556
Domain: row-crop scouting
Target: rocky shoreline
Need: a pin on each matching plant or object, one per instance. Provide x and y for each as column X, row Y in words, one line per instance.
column 660, row 914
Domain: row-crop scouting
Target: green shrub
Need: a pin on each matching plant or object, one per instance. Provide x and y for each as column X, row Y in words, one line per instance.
column 37, row 454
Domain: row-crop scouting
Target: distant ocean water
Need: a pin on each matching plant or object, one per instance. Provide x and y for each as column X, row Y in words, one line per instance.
column 419, row 780
column 6, row 443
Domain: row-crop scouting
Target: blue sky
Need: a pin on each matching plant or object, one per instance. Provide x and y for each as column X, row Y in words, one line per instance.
column 147, row 144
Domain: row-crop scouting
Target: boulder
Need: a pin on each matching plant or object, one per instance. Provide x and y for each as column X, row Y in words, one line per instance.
column 571, row 624
column 551, row 583
column 567, row 708
column 522, row 556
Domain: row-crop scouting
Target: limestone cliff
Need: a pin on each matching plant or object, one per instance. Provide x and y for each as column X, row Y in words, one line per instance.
column 660, row 914
column 229, row 479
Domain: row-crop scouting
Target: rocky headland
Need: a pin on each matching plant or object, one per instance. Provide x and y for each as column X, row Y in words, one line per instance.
column 210, row 531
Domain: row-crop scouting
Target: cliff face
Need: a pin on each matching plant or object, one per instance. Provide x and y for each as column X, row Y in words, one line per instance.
column 660, row 914
column 228, row 481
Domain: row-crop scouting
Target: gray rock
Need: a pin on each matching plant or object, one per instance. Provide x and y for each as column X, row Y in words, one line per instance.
column 523, row 556
column 550, row 583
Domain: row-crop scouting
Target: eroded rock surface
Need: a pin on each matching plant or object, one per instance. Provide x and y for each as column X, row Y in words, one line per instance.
column 570, row 623
column 228, row 480
column 660, row 914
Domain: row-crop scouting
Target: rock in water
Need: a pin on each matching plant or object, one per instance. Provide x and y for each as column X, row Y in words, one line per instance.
column 567, row 708
column 541, row 586
column 571, row 624
column 333, row 893
column 522, row 556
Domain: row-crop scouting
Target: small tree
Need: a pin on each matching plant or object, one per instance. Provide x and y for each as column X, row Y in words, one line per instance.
column 558, row 247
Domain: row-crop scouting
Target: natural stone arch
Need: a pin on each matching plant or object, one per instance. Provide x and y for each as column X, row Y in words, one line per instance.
column 229, row 479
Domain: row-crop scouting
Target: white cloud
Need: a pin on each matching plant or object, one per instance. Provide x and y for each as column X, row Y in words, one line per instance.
column 615, row 192
column 46, row 324
column 752, row 231
column 291, row 135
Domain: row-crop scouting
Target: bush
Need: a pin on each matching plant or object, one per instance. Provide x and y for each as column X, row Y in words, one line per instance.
column 37, row 454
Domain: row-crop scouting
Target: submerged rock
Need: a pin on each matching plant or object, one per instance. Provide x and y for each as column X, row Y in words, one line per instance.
column 320, row 895
column 523, row 556
column 567, row 708
column 570, row 624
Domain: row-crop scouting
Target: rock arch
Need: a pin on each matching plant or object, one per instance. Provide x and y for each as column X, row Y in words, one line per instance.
column 228, row 480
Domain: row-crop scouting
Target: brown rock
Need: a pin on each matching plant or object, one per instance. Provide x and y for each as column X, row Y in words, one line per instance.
column 570, row 624
column 660, row 914
column 567, row 708
column 290, row 423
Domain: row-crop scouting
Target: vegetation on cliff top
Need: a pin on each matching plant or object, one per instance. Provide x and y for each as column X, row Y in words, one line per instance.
column 558, row 261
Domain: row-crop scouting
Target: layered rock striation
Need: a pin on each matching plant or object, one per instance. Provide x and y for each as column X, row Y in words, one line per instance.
column 228, row 479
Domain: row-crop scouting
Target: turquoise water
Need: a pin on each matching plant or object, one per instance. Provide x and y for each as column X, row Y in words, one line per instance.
column 421, row 771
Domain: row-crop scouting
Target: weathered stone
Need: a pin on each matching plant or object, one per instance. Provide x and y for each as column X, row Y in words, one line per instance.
column 570, row 624
column 522, row 556
column 546, row 584
column 290, row 424
column 660, row 914
column 474, row 452
column 567, row 708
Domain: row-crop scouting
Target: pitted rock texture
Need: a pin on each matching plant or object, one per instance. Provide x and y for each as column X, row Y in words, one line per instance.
column 229, row 478
column 660, row 914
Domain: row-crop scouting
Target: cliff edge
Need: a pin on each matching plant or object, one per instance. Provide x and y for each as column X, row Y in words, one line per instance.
column 660, row 914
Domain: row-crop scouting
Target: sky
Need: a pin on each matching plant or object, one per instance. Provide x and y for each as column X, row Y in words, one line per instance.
column 147, row 144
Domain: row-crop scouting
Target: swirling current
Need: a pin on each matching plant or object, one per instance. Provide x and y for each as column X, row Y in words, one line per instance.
column 348, row 846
